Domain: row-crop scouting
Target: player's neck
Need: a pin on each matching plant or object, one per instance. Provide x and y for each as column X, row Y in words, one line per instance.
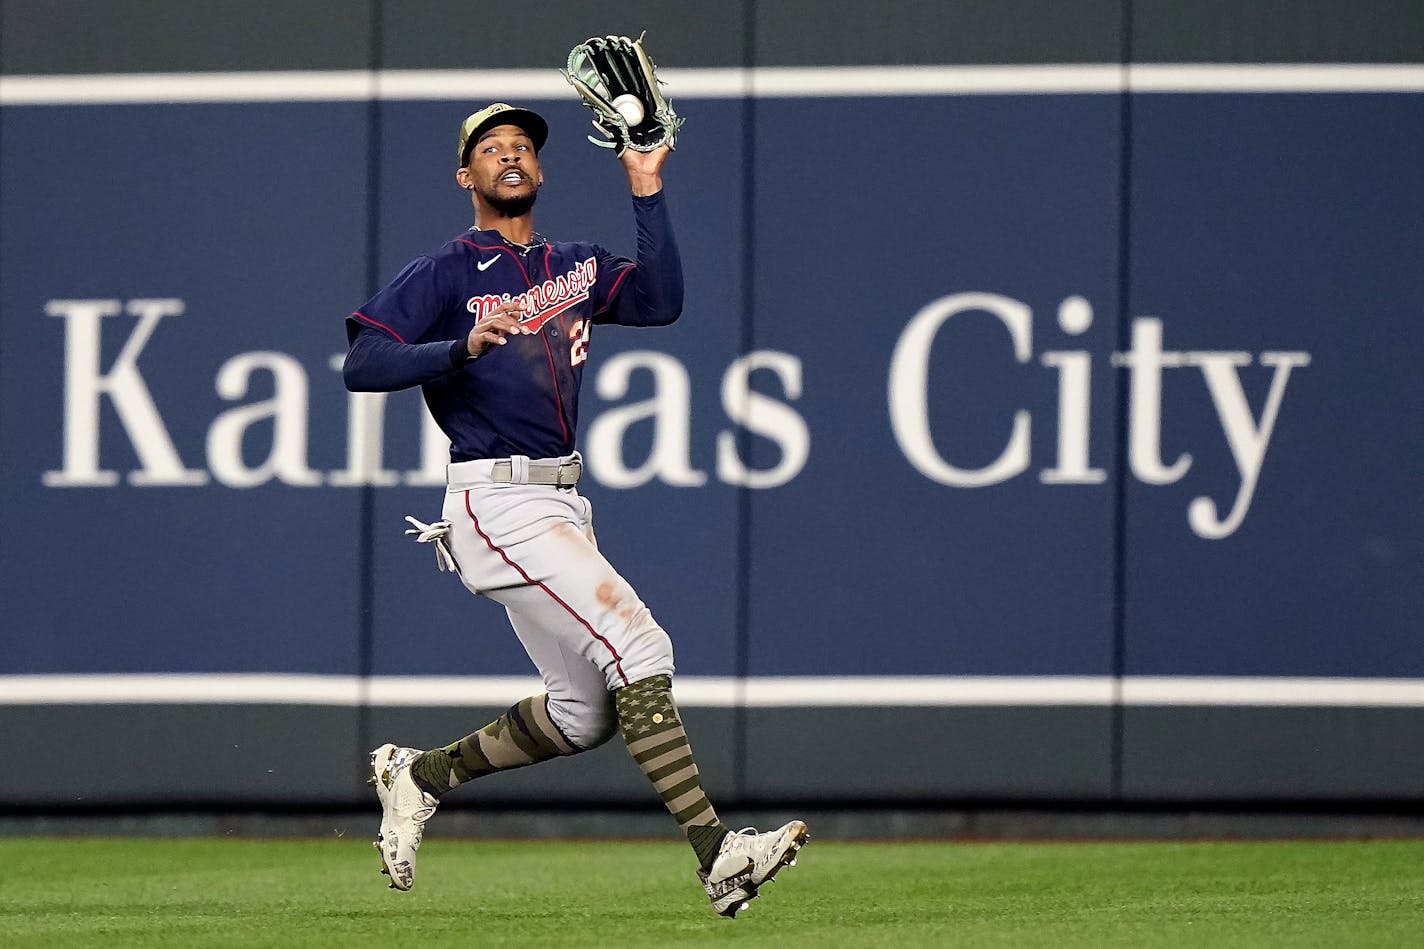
column 516, row 230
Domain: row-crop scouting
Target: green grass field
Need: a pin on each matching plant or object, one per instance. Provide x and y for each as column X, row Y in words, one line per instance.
column 198, row 893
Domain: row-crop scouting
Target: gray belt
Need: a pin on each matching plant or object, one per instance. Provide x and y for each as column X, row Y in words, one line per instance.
column 562, row 474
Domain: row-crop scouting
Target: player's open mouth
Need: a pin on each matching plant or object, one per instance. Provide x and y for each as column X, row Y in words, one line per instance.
column 512, row 178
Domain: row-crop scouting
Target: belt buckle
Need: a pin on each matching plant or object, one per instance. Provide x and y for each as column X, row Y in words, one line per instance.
column 574, row 466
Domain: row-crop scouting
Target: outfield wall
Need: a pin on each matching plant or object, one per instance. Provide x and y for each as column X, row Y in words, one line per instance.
column 1044, row 424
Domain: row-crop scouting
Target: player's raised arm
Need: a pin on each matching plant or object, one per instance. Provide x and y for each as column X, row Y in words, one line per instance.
column 644, row 170
column 618, row 81
column 650, row 293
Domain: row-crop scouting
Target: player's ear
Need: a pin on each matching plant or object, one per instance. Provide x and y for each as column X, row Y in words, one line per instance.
column 462, row 178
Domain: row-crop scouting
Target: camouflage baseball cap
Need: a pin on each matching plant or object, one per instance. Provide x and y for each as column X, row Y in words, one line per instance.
column 500, row 113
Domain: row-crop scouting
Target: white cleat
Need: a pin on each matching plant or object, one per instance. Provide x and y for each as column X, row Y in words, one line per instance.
column 404, row 810
column 746, row 860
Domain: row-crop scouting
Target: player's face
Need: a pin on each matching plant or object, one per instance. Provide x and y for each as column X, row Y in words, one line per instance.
column 503, row 170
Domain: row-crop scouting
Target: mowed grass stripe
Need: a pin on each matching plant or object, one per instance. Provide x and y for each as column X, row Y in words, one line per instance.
column 241, row 893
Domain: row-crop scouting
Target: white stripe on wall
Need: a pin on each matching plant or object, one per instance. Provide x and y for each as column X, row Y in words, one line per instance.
column 719, row 692
column 768, row 82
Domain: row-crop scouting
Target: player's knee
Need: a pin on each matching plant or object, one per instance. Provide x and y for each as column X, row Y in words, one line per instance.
column 585, row 724
column 649, row 653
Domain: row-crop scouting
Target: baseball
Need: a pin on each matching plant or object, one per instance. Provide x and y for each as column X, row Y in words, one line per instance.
column 629, row 107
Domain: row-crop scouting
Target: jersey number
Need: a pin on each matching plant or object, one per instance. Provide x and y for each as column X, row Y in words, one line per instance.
column 578, row 336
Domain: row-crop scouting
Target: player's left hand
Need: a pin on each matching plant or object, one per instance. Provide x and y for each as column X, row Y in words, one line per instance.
column 644, row 169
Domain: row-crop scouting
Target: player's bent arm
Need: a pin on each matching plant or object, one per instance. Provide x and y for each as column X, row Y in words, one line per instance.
column 652, row 294
column 377, row 363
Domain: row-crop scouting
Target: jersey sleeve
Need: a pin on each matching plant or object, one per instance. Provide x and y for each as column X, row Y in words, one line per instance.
column 613, row 273
column 647, row 292
column 388, row 349
column 406, row 308
column 377, row 363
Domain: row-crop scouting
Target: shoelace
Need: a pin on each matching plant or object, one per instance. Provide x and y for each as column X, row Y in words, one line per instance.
column 741, row 839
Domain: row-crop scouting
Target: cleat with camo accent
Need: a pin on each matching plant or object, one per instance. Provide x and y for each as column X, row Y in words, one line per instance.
column 748, row 860
column 405, row 808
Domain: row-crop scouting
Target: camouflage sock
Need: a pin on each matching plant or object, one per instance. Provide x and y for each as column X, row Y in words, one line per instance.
column 523, row 735
column 653, row 731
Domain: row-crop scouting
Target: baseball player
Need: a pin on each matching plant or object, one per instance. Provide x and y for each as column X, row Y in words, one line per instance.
column 495, row 328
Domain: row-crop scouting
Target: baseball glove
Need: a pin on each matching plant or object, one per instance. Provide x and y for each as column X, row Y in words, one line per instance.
column 619, row 82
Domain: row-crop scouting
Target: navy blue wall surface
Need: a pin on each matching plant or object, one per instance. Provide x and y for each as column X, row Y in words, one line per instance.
column 225, row 231
column 869, row 553
column 923, row 327
column 910, row 314
column 1022, row 385
column 1283, row 223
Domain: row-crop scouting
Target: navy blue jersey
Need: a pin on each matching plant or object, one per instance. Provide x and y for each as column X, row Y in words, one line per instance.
column 520, row 398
